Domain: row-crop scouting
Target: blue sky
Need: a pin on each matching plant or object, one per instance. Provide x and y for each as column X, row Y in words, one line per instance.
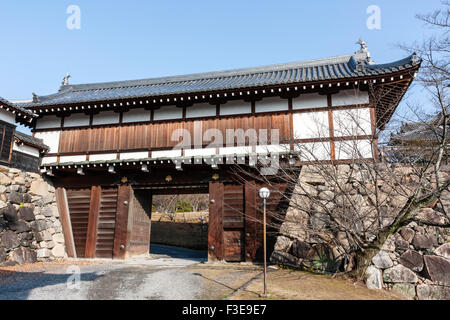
column 133, row 39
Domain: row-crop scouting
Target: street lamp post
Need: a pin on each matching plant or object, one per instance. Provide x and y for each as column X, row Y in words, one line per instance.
column 264, row 193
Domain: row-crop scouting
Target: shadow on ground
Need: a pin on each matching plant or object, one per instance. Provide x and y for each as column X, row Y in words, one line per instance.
column 16, row 285
column 157, row 250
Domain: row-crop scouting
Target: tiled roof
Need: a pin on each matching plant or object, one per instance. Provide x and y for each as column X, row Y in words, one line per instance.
column 31, row 141
column 18, row 108
column 341, row 67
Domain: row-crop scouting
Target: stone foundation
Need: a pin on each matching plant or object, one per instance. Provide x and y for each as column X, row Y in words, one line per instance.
column 415, row 261
column 30, row 229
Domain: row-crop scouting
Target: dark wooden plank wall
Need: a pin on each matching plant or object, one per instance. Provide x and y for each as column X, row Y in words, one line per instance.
column 158, row 135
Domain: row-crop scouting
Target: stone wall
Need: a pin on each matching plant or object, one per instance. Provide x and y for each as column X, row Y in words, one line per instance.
column 414, row 261
column 30, row 229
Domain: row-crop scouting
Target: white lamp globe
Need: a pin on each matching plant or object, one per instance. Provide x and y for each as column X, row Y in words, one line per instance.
column 264, row 193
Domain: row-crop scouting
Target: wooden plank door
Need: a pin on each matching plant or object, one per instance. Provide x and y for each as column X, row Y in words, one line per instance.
column 78, row 201
column 233, row 223
column 106, row 223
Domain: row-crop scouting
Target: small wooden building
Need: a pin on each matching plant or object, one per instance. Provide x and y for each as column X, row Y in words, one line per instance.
column 114, row 145
column 17, row 149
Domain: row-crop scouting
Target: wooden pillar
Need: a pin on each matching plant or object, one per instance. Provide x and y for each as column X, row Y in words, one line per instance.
column 121, row 228
column 215, row 227
column 250, row 221
column 64, row 218
column 91, row 239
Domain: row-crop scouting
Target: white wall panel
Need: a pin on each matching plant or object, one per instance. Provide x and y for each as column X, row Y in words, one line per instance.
column 166, row 154
column 201, row 110
column 235, row 107
column 66, row 159
column 352, row 122
column 271, row 104
column 349, row 97
column 311, row 125
column 136, row 115
column 274, row 148
column 47, row 160
column 167, row 113
column 103, row 157
column 106, row 117
column 134, row 155
column 235, row 150
column 26, row 149
column 48, row 122
column 7, row 116
column 314, row 151
column 76, row 120
column 309, row 100
column 200, row 152
column 353, row 149
column 50, row 138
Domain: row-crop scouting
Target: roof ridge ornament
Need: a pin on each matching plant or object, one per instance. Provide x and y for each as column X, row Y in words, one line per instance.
column 35, row 97
column 65, row 81
column 363, row 54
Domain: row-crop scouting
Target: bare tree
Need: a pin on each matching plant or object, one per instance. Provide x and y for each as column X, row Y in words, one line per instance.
column 351, row 209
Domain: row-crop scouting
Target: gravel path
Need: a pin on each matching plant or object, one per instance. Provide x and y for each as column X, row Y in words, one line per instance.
column 157, row 276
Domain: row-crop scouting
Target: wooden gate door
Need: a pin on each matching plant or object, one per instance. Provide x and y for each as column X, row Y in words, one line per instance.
column 233, row 222
column 78, row 201
column 106, row 223
column 93, row 218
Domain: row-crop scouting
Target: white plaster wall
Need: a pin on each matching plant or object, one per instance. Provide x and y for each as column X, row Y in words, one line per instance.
column 235, row 150
column 166, row 154
column 104, row 157
column 26, row 149
column 7, row 116
column 352, row 122
column 200, row 152
column 314, row 151
column 309, row 100
column 235, row 107
column 311, row 125
column 136, row 115
column 134, row 155
column 66, row 159
column 353, row 149
column 274, row 148
column 50, row 138
column 349, row 97
column 201, row 110
column 272, row 104
column 167, row 113
column 106, row 117
column 47, row 160
column 76, row 120
column 48, row 122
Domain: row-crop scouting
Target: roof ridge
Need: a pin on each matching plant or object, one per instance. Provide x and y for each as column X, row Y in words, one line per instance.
column 212, row 74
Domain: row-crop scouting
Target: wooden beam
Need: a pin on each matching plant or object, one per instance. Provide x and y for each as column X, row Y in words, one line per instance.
column 64, row 218
column 121, row 228
column 94, row 207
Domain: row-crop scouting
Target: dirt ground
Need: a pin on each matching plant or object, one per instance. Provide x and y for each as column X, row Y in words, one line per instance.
column 246, row 283
column 175, row 274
